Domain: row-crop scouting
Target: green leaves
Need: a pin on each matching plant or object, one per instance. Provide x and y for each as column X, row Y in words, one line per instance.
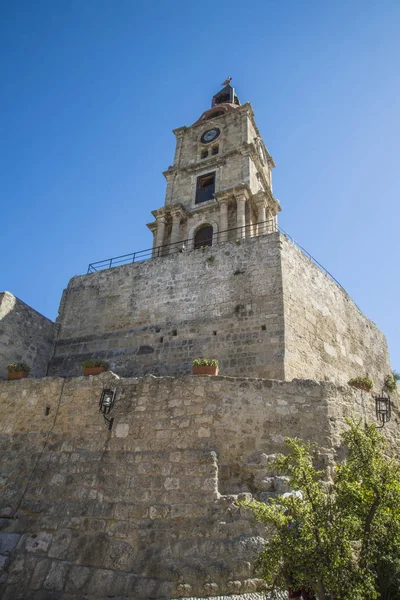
column 340, row 539
column 18, row 367
column 362, row 383
column 205, row 362
column 94, row 362
column 390, row 381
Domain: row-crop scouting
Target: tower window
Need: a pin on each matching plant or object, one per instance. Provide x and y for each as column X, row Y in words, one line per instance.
column 215, row 150
column 223, row 97
column 204, row 154
column 203, row 237
column 205, row 188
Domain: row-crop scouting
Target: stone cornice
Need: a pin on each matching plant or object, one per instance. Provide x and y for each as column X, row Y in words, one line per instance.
column 204, row 206
column 178, row 210
column 242, row 190
column 160, row 213
column 170, row 172
column 260, row 199
column 224, row 196
column 179, row 131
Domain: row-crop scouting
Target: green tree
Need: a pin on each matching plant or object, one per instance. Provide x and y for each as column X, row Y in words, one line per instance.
column 338, row 539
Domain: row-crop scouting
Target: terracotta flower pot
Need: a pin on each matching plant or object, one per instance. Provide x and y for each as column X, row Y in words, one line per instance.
column 205, row 370
column 93, row 370
column 360, row 386
column 17, row 374
column 364, row 388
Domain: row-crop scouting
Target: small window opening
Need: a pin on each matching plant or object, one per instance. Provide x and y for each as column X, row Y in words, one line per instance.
column 205, row 188
column 215, row 150
column 204, row 154
column 214, row 333
column 263, row 327
column 221, row 98
column 203, row 237
column 174, row 332
column 47, row 411
column 161, row 340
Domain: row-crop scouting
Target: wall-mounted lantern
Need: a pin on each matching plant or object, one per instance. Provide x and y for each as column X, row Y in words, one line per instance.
column 383, row 408
column 106, row 404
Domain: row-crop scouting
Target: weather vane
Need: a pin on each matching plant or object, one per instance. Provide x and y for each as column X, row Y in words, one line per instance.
column 227, row 81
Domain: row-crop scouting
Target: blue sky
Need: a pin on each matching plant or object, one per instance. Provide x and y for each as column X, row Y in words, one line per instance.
column 91, row 89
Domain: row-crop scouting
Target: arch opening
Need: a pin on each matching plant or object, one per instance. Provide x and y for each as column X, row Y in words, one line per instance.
column 203, row 237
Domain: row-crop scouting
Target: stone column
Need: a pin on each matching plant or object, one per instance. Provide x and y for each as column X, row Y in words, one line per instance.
column 177, row 214
column 241, row 216
column 160, row 237
column 261, row 217
column 223, row 220
column 271, row 225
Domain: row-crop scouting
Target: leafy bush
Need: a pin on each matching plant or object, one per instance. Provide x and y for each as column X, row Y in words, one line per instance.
column 338, row 540
column 362, row 383
column 18, row 367
column 205, row 362
column 391, row 381
column 94, row 362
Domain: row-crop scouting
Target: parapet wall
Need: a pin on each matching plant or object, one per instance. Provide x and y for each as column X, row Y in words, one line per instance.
column 261, row 307
column 25, row 336
column 154, row 317
column 147, row 510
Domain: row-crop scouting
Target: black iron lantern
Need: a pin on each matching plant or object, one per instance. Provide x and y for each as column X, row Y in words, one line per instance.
column 106, row 404
column 383, row 407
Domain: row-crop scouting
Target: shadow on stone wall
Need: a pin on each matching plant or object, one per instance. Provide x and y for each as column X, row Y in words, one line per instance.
column 25, row 336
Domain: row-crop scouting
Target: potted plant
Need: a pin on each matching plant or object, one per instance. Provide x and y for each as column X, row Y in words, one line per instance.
column 18, row 370
column 361, row 383
column 205, row 366
column 94, row 366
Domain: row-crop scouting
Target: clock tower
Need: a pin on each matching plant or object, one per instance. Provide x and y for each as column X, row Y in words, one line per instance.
column 219, row 187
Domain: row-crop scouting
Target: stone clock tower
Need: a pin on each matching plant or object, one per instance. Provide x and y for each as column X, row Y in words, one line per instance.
column 220, row 185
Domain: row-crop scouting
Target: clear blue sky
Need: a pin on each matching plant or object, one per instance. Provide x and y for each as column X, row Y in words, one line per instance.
column 91, row 89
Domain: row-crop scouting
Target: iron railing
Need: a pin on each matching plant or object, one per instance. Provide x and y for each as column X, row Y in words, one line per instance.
column 188, row 245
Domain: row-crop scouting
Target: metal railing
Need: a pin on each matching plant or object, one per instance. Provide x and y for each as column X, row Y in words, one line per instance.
column 189, row 245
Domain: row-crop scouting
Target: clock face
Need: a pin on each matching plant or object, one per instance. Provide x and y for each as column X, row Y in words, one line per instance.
column 210, row 135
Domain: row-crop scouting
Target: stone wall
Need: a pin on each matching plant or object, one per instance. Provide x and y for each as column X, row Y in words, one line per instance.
column 25, row 336
column 147, row 510
column 157, row 316
column 326, row 334
column 262, row 308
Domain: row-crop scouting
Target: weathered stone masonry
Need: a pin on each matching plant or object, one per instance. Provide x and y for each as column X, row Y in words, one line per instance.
column 147, row 510
column 25, row 336
column 262, row 308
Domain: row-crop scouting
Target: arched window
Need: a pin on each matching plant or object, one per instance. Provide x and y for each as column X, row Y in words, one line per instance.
column 203, row 237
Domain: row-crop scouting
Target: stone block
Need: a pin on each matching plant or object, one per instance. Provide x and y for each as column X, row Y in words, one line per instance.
column 55, row 579
column 38, row 542
column 8, row 541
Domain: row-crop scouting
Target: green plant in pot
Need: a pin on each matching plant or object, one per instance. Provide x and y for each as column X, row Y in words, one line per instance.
column 205, row 366
column 361, row 383
column 18, row 370
column 94, row 366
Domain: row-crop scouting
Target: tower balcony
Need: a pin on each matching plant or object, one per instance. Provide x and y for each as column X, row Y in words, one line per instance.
column 204, row 237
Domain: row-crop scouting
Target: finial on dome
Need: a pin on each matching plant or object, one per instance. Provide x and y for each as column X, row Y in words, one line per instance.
column 227, row 95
